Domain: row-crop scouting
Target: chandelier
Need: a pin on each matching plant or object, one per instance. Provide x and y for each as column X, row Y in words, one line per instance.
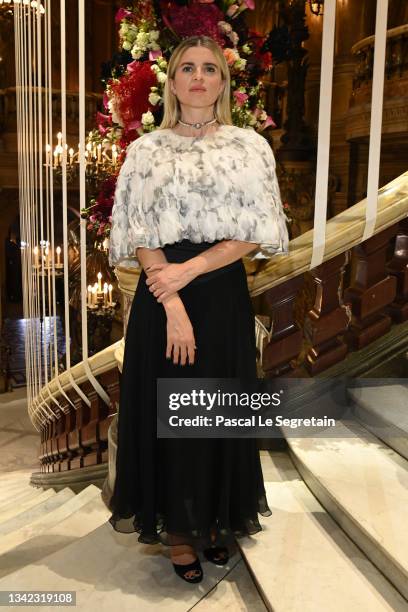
column 316, row 7
column 101, row 158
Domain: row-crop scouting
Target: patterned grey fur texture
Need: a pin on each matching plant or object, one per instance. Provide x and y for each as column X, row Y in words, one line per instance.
column 221, row 186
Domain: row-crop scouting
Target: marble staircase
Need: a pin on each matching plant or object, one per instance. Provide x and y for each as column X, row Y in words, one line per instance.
column 337, row 539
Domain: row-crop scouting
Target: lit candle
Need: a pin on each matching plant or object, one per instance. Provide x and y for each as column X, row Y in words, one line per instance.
column 59, row 136
column 48, row 154
column 105, row 295
column 110, row 294
column 89, row 296
column 46, row 258
column 94, row 296
column 71, row 156
column 55, row 158
column 35, row 251
column 58, row 250
column 99, row 275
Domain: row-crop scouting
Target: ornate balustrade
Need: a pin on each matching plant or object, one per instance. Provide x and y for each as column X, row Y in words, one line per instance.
column 396, row 60
column 8, row 111
column 346, row 316
column 395, row 112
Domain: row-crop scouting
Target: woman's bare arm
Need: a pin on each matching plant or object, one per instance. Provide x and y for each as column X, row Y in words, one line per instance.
column 147, row 258
column 219, row 255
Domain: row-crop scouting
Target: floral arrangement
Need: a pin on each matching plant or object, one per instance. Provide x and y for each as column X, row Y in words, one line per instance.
column 148, row 33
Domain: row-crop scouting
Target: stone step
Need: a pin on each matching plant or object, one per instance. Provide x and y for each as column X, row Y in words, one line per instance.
column 15, row 476
column 15, row 509
column 363, row 484
column 113, row 570
column 383, row 410
column 35, row 511
column 20, row 497
column 52, row 531
column 28, row 546
column 8, row 490
column 302, row 559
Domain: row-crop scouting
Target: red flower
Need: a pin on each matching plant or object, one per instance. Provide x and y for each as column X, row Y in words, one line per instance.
column 264, row 60
column 102, row 208
column 131, row 93
column 198, row 18
column 122, row 14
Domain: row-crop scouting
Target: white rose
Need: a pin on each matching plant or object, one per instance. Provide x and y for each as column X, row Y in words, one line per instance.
column 161, row 77
column 136, row 52
column 147, row 118
column 240, row 64
column 234, row 38
column 252, row 120
column 154, row 98
column 127, row 45
column 154, row 34
column 142, row 38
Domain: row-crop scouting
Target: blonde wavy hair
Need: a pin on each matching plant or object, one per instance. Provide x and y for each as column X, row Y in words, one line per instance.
column 222, row 107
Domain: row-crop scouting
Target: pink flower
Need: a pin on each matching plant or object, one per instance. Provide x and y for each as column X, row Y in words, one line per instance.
column 250, row 4
column 134, row 125
column 122, row 14
column 153, row 55
column 105, row 100
column 240, row 98
column 132, row 66
column 268, row 122
column 103, row 119
column 203, row 1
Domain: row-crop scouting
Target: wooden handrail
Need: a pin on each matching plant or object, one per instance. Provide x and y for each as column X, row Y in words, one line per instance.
column 343, row 232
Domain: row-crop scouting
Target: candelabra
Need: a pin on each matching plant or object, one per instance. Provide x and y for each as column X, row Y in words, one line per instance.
column 101, row 159
column 42, row 258
column 316, row 7
column 100, row 296
column 7, row 7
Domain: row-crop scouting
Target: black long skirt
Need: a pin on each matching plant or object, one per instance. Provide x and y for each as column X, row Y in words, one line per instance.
column 182, row 490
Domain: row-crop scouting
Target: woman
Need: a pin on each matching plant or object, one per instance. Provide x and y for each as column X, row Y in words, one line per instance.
column 192, row 198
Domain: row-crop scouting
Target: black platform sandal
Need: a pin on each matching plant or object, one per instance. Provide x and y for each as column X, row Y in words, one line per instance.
column 217, row 554
column 182, row 570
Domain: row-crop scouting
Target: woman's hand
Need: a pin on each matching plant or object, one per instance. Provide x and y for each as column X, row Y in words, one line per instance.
column 180, row 335
column 167, row 278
